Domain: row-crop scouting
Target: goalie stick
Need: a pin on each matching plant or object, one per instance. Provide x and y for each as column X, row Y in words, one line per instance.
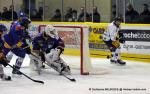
column 38, row 81
column 69, row 78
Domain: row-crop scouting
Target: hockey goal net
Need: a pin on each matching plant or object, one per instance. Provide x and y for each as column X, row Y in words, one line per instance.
column 76, row 45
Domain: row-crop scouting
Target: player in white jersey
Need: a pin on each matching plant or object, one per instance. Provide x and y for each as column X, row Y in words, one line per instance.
column 113, row 37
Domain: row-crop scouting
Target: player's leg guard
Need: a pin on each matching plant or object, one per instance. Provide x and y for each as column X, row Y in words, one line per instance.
column 118, row 52
column 17, row 66
column 112, row 50
column 113, row 58
column 9, row 56
column 2, row 75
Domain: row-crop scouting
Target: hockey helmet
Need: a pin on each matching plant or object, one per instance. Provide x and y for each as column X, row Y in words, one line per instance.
column 51, row 31
column 118, row 19
column 24, row 21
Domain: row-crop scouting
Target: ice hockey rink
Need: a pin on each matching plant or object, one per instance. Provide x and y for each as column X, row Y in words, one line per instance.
column 134, row 78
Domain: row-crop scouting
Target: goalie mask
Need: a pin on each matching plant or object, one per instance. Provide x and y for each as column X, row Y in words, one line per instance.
column 51, row 31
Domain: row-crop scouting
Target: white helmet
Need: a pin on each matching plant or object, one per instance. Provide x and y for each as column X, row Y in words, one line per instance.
column 51, row 31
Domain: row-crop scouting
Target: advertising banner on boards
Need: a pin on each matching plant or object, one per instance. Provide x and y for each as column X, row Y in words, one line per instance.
column 137, row 37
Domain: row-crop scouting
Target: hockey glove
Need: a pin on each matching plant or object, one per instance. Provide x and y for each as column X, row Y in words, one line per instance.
column 6, row 45
column 116, row 43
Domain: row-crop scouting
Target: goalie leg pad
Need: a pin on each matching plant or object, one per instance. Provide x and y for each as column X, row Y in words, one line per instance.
column 65, row 69
column 53, row 56
column 35, row 65
column 55, row 61
column 60, row 66
column 55, row 65
column 56, row 54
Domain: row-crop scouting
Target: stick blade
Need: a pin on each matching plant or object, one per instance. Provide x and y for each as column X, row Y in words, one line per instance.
column 38, row 81
column 73, row 80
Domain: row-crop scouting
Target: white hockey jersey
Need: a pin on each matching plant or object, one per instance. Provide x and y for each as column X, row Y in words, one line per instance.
column 111, row 33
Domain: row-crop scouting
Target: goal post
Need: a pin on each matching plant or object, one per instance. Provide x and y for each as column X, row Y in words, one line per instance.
column 76, row 43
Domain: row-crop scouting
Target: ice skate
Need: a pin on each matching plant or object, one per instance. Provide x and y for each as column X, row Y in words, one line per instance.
column 15, row 70
column 119, row 61
column 5, row 77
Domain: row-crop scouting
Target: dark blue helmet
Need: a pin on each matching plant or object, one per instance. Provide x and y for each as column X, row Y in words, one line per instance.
column 3, row 28
column 24, row 21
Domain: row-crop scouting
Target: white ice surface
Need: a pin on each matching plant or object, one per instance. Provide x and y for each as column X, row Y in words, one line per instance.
column 135, row 75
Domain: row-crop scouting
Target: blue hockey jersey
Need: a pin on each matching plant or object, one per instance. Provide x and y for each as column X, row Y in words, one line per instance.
column 46, row 44
column 15, row 35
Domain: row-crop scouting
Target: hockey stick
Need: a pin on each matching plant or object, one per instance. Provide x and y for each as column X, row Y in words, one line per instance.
column 71, row 79
column 38, row 81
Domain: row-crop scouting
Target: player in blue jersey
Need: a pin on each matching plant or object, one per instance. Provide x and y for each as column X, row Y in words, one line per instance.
column 14, row 41
column 50, row 47
column 3, row 61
